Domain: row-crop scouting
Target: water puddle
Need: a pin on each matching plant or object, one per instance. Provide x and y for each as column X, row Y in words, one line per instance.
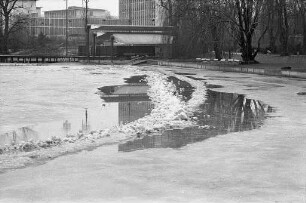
column 178, row 73
column 182, row 88
column 221, row 113
column 195, row 78
column 212, row 86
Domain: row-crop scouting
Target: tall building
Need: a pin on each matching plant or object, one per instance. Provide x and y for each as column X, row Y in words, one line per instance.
column 138, row 12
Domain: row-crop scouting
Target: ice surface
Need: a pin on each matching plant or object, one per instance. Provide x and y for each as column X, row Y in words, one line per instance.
column 169, row 112
column 262, row 165
column 42, row 98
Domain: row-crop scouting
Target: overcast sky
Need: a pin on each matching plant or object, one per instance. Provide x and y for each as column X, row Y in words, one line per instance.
column 110, row 5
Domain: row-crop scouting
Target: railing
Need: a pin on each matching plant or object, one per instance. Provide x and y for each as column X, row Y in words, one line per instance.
column 48, row 59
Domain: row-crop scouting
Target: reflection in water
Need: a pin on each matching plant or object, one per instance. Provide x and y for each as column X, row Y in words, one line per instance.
column 66, row 127
column 31, row 133
column 223, row 112
column 132, row 98
column 132, row 110
column 231, row 112
column 183, row 88
column 125, row 103
column 20, row 135
column 85, row 126
column 139, row 79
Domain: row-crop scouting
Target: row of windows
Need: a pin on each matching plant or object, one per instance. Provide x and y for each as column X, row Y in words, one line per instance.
column 142, row 11
column 56, row 31
column 74, row 13
column 58, row 14
column 79, row 22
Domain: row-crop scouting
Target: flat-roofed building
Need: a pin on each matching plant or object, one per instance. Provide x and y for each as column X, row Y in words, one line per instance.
column 138, row 12
column 78, row 12
column 27, row 7
column 53, row 24
column 56, row 27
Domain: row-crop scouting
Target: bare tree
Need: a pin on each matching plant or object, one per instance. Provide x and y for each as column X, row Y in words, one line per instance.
column 246, row 20
column 174, row 11
column 210, row 12
column 301, row 6
column 12, row 21
column 281, row 6
column 273, row 31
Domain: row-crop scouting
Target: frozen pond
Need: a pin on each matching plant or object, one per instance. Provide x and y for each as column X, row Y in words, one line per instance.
column 38, row 102
column 246, row 162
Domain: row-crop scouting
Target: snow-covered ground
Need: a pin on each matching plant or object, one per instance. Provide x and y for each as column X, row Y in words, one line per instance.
column 262, row 165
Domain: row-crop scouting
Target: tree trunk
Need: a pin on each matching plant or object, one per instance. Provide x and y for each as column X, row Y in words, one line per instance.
column 272, row 40
column 216, row 41
column 247, row 23
column 304, row 32
column 5, row 34
column 283, row 26
column 1, row 40
column 271, row 28
column 247, row 49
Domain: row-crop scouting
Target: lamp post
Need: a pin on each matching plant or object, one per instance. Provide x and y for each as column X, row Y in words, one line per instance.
column 66, row 28
column 112, row 38
column 94, row 44
column 87, row 29
column 130, row 12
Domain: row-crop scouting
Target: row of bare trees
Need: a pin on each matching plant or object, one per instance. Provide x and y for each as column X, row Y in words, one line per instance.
column 225, row 25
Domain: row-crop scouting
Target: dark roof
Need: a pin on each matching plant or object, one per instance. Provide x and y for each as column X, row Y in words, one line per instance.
column 78, row 8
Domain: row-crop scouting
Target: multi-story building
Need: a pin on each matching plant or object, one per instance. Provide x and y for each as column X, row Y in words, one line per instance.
column 78, row 12
column 53, row 24
column 27, row 7
column 138, row 12
column 56, row 27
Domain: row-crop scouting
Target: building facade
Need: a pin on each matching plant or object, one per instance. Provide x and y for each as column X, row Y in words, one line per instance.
column 138, row 12
column 53, row 24
column 56, row 27
column 78, row 12
column 27, row 7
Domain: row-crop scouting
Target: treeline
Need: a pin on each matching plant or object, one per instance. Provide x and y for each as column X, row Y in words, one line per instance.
column 227, row 26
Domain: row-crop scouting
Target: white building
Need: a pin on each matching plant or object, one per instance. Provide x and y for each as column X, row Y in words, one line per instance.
column 78, row 12
column 27, row 7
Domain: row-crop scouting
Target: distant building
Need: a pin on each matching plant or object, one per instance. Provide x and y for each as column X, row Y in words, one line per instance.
column 27, row 7
column 56, row 27
column 138, row 12
column 78, row 12
column 53, row 24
